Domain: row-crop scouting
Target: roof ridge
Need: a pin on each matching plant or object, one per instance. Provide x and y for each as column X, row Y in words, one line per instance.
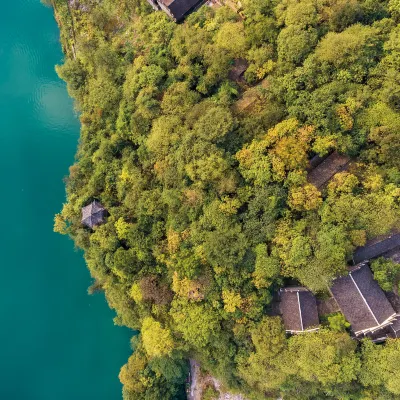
column 301, row 315
column 365, row 300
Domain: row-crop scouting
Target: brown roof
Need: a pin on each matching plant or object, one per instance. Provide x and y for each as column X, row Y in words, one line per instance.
column 316, row 160
column 299, row 309
column 376, row 249
column 93, row 214
column 332, row 164
column 361, row 300
column 327, row 306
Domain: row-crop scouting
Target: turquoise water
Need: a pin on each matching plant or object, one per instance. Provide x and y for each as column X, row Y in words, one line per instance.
column 56, row 341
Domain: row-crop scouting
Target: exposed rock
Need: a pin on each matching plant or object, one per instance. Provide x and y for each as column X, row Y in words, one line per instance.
column 76, row 5
column 199, row 382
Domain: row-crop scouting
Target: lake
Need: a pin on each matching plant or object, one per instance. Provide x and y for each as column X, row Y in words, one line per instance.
column 57, row 342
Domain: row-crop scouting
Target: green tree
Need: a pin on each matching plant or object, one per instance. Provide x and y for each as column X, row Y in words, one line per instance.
column 380, row 366
column 157, row 341
column 267, row 267
column 325, row 356
column 261, row 368
column 295, row 43
column 386, row 273
column 337, row 322
column 198, row 323
column 205, row 183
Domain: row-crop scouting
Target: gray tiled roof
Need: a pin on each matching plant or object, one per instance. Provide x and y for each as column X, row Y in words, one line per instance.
column 309, row 311
column 299, row 309
column 179, row 8
column 333, row 164
column 93, row 214
column 361, row 300
column 376, row 249
column 377, row 336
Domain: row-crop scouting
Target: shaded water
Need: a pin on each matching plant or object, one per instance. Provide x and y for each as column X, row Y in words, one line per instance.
column 56, row 341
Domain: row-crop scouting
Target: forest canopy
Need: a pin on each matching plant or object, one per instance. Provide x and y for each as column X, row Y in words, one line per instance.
column 204, row 175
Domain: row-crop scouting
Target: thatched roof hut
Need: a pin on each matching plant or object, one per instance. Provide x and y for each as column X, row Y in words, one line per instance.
column 93, row 214
column 362, row 301
column 299, row 310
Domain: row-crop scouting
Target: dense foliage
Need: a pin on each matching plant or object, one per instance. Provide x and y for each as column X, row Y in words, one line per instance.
column 210, row 211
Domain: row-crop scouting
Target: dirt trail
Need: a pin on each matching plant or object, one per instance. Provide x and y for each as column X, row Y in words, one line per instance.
column 194, row 374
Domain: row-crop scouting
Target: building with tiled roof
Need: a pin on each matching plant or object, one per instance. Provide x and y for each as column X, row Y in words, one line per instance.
column 299, row 310
column 176, row 9
column 323, row 169
column 93, row 214
column 374, row 249
column 362, row 301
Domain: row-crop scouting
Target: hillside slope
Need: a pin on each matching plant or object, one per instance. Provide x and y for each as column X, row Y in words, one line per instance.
column 209, row 208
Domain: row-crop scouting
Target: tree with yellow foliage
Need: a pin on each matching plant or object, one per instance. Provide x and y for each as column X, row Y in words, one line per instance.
column 157, row 341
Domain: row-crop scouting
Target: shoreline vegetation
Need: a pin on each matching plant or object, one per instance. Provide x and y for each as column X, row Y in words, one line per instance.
column 196, row 139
